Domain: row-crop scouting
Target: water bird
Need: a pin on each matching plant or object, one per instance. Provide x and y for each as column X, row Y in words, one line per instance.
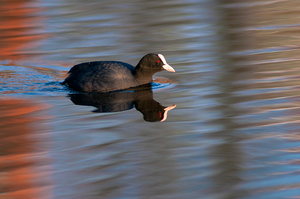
column 107, row 76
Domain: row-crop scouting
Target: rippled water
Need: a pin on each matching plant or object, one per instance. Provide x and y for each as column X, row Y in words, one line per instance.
column 233, row 132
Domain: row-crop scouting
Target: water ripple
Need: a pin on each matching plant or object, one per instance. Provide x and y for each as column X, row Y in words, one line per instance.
column 233, row 134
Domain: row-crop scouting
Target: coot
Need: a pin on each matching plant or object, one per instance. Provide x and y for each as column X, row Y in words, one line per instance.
column 106, row 76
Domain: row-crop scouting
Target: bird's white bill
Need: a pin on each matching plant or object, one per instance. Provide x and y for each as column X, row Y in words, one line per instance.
column 166, row 66
column 166, row 112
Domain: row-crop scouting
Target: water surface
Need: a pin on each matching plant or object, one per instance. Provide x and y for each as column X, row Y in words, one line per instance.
column 233, row 133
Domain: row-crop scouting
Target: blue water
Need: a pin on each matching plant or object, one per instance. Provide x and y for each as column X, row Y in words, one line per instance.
column 224, row 125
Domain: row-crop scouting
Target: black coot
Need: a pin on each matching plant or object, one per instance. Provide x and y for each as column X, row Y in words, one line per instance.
column 106, row 76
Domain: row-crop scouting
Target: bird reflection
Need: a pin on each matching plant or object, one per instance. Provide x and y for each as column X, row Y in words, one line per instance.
column 141, row 98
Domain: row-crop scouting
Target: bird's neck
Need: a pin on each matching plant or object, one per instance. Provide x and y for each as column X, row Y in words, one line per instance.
column 142, row 75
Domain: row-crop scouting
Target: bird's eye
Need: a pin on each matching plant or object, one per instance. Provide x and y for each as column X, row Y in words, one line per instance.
column 158, row 61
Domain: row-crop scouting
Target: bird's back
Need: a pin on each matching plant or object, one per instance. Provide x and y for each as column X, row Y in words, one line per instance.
column 101, row 76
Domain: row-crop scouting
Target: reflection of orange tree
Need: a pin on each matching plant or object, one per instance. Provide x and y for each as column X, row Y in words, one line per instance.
column 22, row 160
column 17, row 22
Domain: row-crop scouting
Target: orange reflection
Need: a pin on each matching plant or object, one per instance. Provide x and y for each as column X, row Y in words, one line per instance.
column 17, row 28
column 23, row 160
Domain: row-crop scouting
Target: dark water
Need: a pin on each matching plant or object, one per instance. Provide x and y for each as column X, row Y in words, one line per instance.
column 234, row 132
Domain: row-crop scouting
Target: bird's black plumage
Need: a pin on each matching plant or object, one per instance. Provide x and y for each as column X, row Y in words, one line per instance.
column 106, row 76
